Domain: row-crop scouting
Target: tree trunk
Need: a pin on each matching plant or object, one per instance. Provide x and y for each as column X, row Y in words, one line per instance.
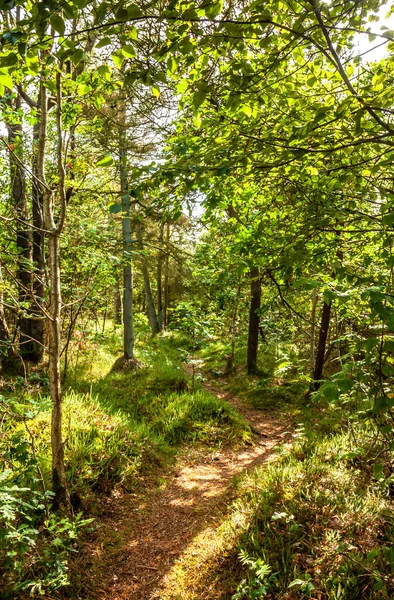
column 23, row 237
column 128, row 324
column 117, row 306
column 6, row 349
column 254, row 320
column 321, row 348
column 38, row 323
column 150, row 305
column 312, row 349
column 166, row 278
column 230, row 358
column 59, row 482
column 159, row 280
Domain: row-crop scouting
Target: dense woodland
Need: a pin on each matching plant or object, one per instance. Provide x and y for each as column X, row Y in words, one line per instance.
column 196, row 221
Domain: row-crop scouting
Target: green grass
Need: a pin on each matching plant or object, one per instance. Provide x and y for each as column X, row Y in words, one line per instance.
column 316, row 523
column 118, row 427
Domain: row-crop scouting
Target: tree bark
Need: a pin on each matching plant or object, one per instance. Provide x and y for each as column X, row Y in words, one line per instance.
column 117, row 306
column 159, row 280
column 38, row 322
column 128, row 323
column 150, row 305
column 23, row 236
column 312, row 347
column 6, row 349
column 254, row 320
column 59, row 482
column 230, row 359
column 321, row 347
column 166, row 278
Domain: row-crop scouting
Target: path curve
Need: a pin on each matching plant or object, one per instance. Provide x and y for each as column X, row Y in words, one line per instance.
column 151, row 533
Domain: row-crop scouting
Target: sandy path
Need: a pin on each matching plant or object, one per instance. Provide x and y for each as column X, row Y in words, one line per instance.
column 149, row 535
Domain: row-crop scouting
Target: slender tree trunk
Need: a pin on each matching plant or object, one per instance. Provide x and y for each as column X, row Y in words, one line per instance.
column 150, row 305
column 321, row 347
column 230, row 358
column 38, row 323
column 6, row 349
column 166, row 278
column 23, row 236
column 313, row 334
column 254, row 320
column 59, row 482
column 128, row 324
column 159, row 280
column 117, row 306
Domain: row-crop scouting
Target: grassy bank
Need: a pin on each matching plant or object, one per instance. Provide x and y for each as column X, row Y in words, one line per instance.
column 316, row 523
column 118, row 427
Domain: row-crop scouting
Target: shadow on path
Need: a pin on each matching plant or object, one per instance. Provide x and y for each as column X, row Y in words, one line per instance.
column 149, row 534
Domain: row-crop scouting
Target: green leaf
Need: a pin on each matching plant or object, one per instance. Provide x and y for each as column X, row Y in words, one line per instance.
column 214, row 9
column 198, row 99
column 77, row 56
column 344, row 385
column 134, row 11
column 378, row 471
column 330, row 391
column 118, row 59
column 389, row 219
column 115, row 208
column 389, row 346
column 128, row 51
column 247, row 110
column 58, row 24
column 222, row 170
column 105, row 41
column 106, row 161
column 6, row 80
column 296, row 582
column 172, row 65
column 155, row 90
column 8, row 60
column 122, row 14
column 371, row 343
column 358, row 121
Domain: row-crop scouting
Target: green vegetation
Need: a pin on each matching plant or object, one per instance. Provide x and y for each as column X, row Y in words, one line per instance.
column 197, row 227
column 119, row 427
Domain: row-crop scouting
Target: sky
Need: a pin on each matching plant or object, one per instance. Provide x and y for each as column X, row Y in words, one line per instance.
column 374, row 50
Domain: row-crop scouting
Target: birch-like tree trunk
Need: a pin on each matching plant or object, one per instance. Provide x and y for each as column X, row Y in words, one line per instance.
column 128, row 322
column 54, row 230
column 166, row 279
column 159, row 279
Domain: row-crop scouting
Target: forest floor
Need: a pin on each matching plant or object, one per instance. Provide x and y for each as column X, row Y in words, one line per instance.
column 157, row 543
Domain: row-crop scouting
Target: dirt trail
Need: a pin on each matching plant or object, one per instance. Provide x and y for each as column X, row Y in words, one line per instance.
column 150, row 534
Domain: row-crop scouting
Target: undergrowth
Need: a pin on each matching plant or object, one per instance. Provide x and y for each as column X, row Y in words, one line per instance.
column 324, row 527
column 117, row 428
column 315, row 523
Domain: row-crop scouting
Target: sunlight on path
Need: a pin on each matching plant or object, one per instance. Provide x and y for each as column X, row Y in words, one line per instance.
column 179, row 529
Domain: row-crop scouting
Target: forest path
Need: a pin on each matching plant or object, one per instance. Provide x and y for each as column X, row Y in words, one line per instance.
column 142, row 539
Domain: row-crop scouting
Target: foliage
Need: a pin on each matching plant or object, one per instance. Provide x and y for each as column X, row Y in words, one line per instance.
column 35, row 545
